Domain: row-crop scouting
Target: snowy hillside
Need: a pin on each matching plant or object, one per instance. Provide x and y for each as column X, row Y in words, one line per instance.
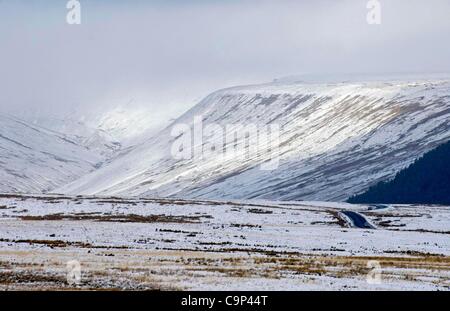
column 102, row 130
column 76, row 128
column 34, row 159
column 336, row 140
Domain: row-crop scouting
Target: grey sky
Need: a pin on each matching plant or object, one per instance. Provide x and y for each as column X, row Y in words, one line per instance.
column 168, row 54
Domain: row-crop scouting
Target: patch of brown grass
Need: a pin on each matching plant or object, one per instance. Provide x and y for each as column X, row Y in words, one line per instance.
column 129, row 218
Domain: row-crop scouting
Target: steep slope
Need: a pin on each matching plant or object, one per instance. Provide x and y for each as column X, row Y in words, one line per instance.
column 104, row 129
column 426, row 181
column 34, row 159
column 75, row 128
column 336, row 140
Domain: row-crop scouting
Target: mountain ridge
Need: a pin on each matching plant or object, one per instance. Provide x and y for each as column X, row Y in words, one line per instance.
column 332, row 135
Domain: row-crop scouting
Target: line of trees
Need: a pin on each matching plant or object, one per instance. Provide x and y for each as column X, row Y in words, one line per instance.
column 426, row 181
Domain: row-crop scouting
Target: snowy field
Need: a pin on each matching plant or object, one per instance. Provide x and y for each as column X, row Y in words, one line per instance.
column 145, row 244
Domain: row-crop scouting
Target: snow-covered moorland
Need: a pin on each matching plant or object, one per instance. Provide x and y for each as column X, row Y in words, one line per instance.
column 131, row 243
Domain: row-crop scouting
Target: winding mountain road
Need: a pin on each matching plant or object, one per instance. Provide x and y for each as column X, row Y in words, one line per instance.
column 358, row 220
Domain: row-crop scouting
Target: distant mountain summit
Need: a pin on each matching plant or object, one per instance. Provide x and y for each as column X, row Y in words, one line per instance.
column 426, row 181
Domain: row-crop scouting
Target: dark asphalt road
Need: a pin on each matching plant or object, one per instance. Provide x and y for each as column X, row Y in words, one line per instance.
column 358, row 220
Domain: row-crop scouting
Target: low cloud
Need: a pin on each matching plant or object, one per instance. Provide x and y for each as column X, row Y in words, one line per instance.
column 166, row 55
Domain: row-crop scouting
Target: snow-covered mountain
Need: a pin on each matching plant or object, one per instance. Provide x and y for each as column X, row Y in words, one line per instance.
column 103, row 130
column 127, row 125
column 95, row 138
column 34, row 159
column 76, row 128
column 336, row 140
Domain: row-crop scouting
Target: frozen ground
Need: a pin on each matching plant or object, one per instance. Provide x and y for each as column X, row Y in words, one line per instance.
column 125, row 243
